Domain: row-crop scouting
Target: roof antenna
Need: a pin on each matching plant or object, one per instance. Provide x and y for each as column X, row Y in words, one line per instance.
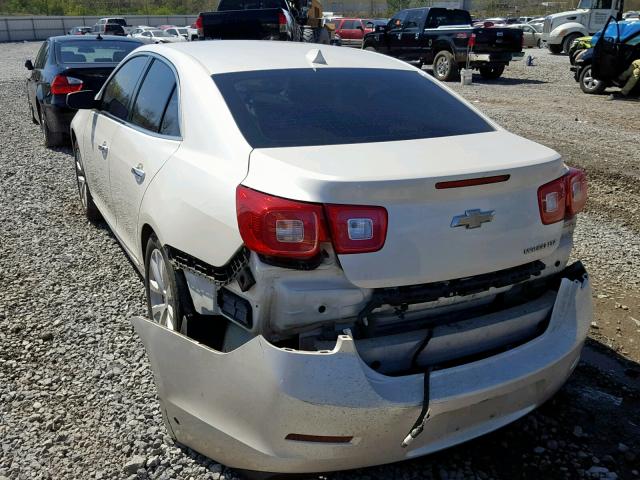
column 315, row 57
column 99, row 37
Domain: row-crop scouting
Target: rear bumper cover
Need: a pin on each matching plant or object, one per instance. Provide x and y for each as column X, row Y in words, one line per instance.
column 238, row 407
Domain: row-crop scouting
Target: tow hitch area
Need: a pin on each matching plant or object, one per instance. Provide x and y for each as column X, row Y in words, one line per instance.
column 276, row 409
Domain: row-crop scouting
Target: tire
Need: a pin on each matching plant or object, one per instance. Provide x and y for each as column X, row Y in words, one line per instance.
column 444, row 66
column 539, row 43
column 590, row 85
column 316, row 35
column 86, row 200
column 566, row 44
column 33, row 115
column 555, row 49
column 491, row 72
column 49, row 139
column 161, row 287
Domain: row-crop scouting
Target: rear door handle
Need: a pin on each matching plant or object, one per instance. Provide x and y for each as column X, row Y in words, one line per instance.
column 138, row 172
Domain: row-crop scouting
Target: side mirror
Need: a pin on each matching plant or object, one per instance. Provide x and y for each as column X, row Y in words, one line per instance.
column 82, row 100
column 28, row 65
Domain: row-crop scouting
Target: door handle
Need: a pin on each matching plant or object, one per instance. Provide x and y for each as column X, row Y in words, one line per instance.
column 103, row 148
column 138, row 172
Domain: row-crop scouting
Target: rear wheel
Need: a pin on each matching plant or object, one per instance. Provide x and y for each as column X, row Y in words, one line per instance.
column 316, row 35
column 566, row 44
column 444, row 66
column 90, row 210
column 491, row 72
column 160, row 283
column 590, row 85
column 49, row 139
column 555, row 49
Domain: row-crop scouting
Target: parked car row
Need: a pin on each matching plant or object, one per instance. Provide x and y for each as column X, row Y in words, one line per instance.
column 606, row 56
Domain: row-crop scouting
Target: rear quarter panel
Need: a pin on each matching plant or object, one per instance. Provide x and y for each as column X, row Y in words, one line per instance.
column 190, row 203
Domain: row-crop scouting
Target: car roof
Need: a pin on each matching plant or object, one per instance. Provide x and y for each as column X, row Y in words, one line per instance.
column 84, row 38
column 224, row 56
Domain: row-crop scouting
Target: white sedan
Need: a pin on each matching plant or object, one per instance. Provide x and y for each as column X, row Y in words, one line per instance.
column 158, row 36
column 346, row 264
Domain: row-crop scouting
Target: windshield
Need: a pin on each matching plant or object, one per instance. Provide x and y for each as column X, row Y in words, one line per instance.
column 328, row 106
column 182, row 31
column 586, row 4
column 119, row 21
column 159, row 33
column 93, row 51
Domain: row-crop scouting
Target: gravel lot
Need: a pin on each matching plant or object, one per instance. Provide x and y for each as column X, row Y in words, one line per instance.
column 77, row 398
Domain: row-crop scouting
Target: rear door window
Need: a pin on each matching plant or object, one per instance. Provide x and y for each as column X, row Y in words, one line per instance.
column 153, row 96
column 41, row 59
column 119, row 91
column 348, row 25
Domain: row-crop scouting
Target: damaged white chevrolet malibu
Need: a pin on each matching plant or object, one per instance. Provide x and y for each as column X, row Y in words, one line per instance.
column 346, row 264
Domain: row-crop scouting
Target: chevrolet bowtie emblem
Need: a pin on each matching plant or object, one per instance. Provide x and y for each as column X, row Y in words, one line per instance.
column 472, row 218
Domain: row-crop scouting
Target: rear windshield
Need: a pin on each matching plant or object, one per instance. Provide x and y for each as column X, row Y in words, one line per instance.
column 93, row 51
column 328, row 106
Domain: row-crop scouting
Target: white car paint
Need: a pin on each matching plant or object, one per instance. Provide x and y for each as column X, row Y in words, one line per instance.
column 188, row 198
column 157, row 36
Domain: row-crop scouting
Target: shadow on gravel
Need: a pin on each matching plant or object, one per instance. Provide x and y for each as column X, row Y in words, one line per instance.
column 507, row 81
column 589, row 429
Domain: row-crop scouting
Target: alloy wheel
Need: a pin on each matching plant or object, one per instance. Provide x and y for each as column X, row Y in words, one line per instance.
column 160, row 293
column 443, row 66
column 81, row 179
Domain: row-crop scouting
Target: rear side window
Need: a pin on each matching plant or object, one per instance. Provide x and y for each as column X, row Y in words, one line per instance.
column 171, row 119
column 153, row 96
column 272, row 107
column 439, row 17
column 41, row 59
column 119, row 91
column 348, row 25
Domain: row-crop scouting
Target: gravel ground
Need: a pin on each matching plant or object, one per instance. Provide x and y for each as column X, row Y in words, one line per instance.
column 77, row 398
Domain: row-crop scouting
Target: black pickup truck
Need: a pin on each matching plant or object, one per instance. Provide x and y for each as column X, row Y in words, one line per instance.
column 286, row 20
column 445, row 38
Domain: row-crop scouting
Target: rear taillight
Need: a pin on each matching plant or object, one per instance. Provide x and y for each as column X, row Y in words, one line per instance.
column 357, row 229
column 198, row 25
column 276, row 226
column 279, row 227
column 61, row 85
column 563, row 197
column 472, row 41
column 282, row 21
column 576, row 187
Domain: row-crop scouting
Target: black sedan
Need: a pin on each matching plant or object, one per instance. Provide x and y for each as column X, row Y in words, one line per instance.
column 67, row 64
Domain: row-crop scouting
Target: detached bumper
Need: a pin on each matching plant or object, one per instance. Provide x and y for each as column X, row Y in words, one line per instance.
column 238, row 407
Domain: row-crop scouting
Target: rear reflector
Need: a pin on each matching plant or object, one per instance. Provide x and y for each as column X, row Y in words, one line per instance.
column 471, row 182
column 298, row 437
column 61, row 85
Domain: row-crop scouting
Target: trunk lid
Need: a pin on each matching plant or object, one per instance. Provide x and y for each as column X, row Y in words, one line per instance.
column 92, row 77
column 422, row 245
